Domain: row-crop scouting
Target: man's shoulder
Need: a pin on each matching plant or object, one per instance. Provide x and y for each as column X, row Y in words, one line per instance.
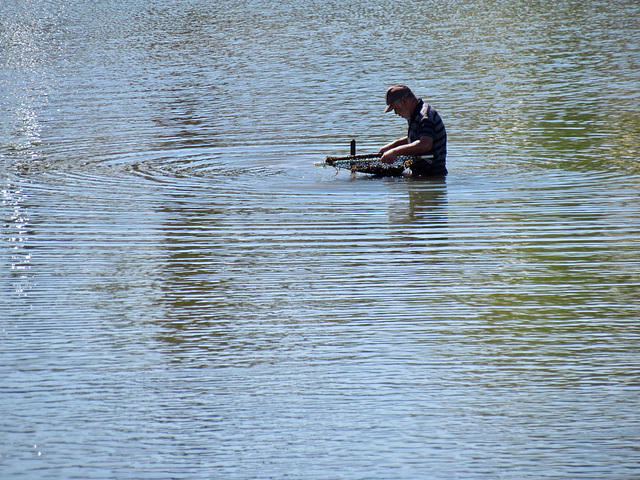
column 429, row 113
column 428, row 110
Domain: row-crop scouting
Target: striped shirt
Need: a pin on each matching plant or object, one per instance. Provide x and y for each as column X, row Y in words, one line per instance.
column 426, row 122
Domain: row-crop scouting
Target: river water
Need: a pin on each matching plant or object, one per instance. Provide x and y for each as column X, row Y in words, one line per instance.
column 183, row 294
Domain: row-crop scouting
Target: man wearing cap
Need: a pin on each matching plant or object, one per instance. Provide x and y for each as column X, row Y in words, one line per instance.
column 426, row 134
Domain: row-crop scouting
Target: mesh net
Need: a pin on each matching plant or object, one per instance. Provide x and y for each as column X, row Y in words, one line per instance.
column 371, row 164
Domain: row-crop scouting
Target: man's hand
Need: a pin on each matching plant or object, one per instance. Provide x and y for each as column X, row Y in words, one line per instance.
column 389, row 156
column 388, row 152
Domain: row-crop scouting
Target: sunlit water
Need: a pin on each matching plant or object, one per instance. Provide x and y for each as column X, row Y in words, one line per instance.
column 185, row 295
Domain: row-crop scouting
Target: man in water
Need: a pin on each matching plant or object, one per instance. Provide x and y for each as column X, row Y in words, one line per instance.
column 426, row 135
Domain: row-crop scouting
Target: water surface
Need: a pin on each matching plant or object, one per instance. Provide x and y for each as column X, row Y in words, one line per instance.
column 185, row 295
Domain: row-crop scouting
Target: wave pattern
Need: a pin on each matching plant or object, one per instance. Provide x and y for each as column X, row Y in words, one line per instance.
column 184, row 295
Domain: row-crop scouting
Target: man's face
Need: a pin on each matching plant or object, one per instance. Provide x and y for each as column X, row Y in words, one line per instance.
column 401, row 108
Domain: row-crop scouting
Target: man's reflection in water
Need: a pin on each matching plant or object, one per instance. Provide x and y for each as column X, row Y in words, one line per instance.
column 427, row 203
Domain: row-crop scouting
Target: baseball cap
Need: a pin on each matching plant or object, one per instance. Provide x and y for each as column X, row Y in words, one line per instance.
column 395, row 93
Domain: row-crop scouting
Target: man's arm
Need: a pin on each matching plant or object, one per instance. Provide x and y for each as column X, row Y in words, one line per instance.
column 392, row 145
column 419, row 147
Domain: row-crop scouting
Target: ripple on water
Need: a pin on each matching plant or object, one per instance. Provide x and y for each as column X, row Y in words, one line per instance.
column 184, row 294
